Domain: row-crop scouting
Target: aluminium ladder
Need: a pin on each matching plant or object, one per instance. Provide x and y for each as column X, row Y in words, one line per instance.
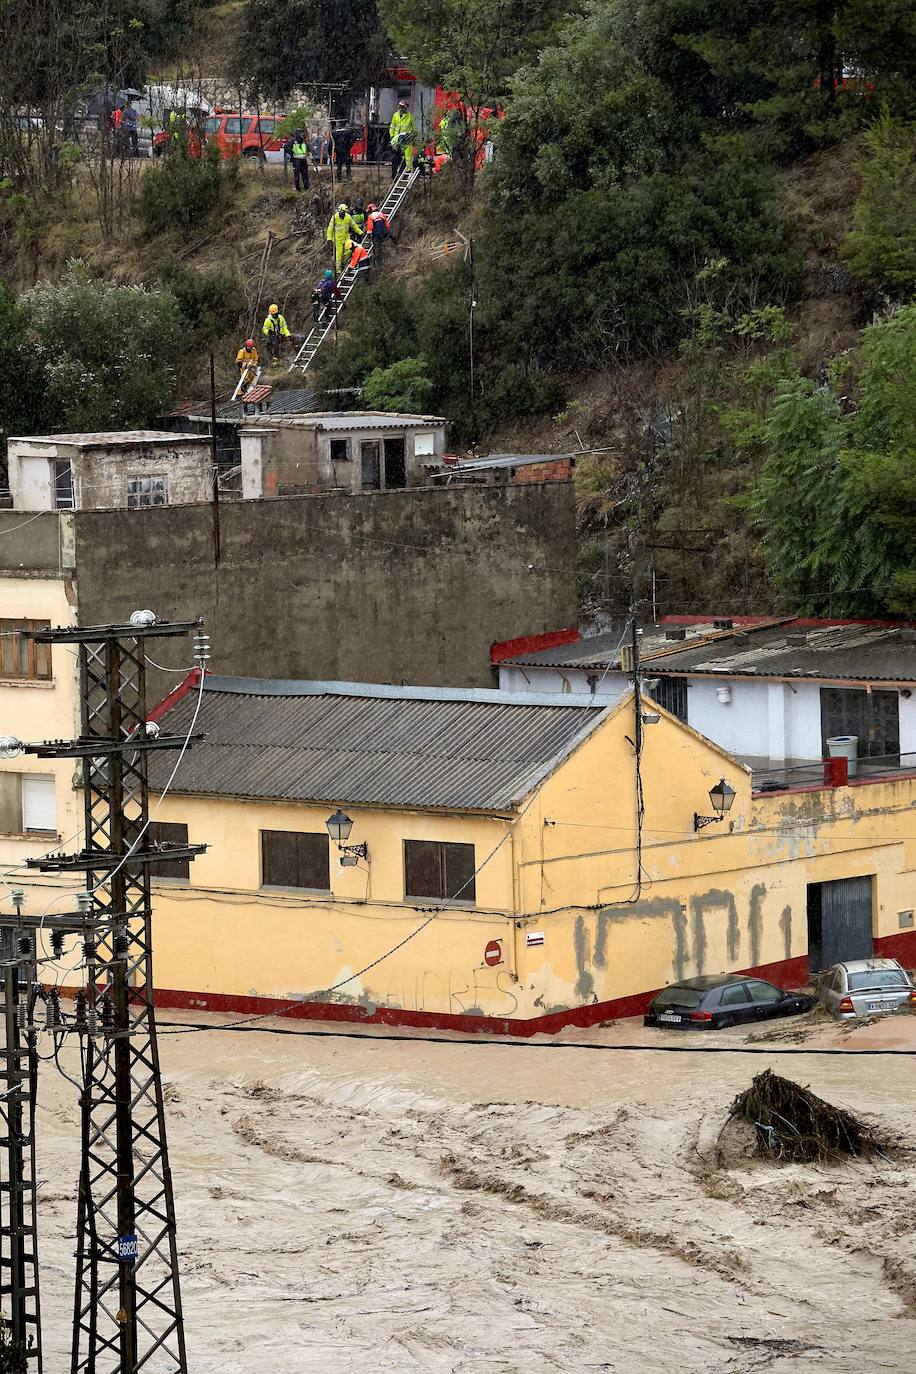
column 400, row 189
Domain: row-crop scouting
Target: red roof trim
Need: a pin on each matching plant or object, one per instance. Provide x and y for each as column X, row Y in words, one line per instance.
column 527, row 644
column 175, row 695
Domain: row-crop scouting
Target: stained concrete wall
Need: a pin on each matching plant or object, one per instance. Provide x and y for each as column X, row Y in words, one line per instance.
column 405, row 586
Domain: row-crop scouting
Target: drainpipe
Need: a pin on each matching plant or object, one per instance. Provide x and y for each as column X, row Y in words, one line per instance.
column 513, row 923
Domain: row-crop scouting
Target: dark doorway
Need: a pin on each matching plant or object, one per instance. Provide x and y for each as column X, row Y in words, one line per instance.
column 370, row 458
column 839, row 922
column 395, row 464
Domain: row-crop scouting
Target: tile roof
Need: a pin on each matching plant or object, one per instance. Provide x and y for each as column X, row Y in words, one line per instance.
column 857, row 652
column 373, row 745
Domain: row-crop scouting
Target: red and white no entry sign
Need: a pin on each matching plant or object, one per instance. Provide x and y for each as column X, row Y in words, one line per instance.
column 493, row 954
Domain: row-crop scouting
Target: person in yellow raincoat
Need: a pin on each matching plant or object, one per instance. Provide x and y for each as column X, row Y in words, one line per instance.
column 341, row 228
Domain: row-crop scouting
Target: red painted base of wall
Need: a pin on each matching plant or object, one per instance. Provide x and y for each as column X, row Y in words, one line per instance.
column 787, row 973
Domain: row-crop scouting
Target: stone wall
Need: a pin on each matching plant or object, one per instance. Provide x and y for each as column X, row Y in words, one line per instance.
column 406, row 586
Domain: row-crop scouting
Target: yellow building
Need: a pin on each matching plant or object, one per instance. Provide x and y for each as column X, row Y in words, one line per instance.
column 39, row 700
column 519, row 863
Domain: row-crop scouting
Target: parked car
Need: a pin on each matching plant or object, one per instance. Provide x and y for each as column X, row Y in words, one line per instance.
column 865, row 987
column 236, row 135
column 722, row 999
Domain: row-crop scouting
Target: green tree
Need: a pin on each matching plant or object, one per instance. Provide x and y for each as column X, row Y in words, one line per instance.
column 606, row 203
column 470, row 46
column 211, row 301
column 836, row 499
column 24, row 406
column 109, row 355
column 404, row 386
column 288, row 43
column 882, row 247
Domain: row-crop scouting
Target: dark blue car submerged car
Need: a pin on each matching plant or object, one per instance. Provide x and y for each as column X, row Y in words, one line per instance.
column 724, row 999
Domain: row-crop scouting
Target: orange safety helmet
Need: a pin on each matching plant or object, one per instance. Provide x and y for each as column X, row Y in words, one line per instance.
column 274, row 310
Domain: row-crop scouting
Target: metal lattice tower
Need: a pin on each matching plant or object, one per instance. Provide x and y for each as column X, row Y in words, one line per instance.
column 19, row 1297
column 127, row 1310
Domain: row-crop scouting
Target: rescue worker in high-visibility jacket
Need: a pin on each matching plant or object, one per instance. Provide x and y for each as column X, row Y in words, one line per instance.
column 274, row 329
column 246, row 355
column 358, row 215
column 341, row 228
column 402, row 135
column 299, row 152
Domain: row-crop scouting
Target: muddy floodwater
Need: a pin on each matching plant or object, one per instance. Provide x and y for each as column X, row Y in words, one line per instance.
column 369, row 1202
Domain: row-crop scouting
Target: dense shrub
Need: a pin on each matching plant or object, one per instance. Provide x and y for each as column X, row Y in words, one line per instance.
column 108, row 355
column 211, row 300
column 182, row 192
column 404, row 386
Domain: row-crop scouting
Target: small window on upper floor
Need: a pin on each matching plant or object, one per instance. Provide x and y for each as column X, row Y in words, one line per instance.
column 439, row 870
column 340, row 450
column 147, row 491
column 169, row 834
column 28, row 804
column 20, row 656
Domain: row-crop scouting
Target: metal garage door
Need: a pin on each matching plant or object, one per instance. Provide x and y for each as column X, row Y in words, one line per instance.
column 839, row 922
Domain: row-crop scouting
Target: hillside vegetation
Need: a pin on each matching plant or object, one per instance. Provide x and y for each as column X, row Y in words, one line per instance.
column 693, row 261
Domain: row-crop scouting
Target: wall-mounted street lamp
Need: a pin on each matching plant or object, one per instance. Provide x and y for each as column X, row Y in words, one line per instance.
column 339, row 827
column 721, row 797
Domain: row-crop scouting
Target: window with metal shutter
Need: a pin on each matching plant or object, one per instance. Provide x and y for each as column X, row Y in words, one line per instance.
column 39, row 804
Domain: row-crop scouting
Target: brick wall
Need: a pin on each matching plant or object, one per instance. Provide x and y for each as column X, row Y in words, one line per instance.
column 558, row 470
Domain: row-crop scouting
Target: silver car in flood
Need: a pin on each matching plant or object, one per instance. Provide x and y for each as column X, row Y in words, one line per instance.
column 865, row 987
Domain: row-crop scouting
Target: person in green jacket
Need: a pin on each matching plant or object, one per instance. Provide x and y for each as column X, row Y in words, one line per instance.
column 402, row 134
column 341, row 228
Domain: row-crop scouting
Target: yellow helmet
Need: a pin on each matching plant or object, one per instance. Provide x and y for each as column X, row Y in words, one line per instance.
column 274, row 310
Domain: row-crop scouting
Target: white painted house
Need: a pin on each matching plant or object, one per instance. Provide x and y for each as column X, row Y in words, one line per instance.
column 771, row 691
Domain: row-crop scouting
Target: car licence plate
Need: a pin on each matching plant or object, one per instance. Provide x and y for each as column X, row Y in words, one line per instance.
column 670, row 1016
column 880, row 1006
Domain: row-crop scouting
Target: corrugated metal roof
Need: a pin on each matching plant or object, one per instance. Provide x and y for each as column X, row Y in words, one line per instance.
column 106, row 439
column 862, row 653
column 358, row 744
column 374, row 419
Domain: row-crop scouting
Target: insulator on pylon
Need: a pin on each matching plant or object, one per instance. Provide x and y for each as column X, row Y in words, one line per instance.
column 108, row 1016
column 89, row 950
column 23, row 1010
column 92, row 1020
column 81, row 1009
column 50, row 1014
column 120, row 945
column 57, row 943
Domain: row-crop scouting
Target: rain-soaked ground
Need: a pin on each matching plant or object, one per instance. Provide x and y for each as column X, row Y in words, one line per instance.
column 371, row 1200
